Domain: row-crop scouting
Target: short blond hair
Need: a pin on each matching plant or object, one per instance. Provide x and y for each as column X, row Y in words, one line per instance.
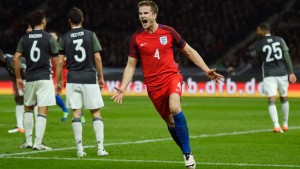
column 153, row 5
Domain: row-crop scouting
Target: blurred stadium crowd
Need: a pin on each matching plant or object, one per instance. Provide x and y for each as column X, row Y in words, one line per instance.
column 285, row 24
column 212, row 27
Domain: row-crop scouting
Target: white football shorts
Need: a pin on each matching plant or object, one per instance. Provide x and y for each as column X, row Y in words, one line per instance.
column 88, row 95
column 40, row 92
column 274, row 83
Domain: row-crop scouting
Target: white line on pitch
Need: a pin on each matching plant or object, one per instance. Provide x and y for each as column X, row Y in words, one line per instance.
column 149, row 141
column 156, row 161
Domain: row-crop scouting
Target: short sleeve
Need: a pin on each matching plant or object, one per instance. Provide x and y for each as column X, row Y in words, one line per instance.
column 61, row 46
column 96, row 44
column 177, row 39
column 54, row 46
column 19, row 46
column 133, row 50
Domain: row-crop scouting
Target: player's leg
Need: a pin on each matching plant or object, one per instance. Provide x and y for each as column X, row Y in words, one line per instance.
column 19, row 99
column 174, row 105
column 77, row 131
column 93, row 101
column 99, row 131
column 75, row 102
column 161, row 105
column 61, row 104
column 171, row 127
column 285, row 107
column 181, row 129
column 167, row 103
column 19, row 114
column 40, row 127
column 45, row 97
column 273, row 113
column 28, row 126
column 270, row 89
column 28, row 119
column 19, row 117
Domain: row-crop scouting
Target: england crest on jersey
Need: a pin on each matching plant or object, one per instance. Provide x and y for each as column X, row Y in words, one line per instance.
column 163, row 40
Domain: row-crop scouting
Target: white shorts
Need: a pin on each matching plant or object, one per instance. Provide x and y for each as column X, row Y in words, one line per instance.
column 88, row 95
column 274, row 83
column 41, row 93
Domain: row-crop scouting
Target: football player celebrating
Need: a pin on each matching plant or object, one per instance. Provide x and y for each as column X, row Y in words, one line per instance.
column 153, row 45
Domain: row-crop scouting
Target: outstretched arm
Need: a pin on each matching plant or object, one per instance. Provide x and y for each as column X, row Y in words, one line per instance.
column 127, row 77
column 194, row 56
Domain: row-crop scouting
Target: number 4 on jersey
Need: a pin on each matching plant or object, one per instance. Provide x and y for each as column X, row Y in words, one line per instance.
column 156, row 55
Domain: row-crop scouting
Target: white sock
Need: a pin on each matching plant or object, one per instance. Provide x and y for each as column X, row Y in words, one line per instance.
column 285, row 107
column 77, row 131
column 99, row 132
column 40, row 127
column 28, row 126
column 273, row 114
column 19, row 116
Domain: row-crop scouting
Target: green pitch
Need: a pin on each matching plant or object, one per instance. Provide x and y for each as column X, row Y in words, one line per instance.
column 226, row 133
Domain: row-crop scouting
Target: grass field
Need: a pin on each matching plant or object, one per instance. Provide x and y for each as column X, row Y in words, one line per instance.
column 226, row 133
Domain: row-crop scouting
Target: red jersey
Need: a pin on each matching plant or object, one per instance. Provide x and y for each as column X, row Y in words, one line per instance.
column 156, row 53
column 64, row 72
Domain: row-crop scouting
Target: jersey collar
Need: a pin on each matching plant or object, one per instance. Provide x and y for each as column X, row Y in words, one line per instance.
column 75, row 27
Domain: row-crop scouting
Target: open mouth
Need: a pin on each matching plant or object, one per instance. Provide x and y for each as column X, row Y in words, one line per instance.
column 144, row 20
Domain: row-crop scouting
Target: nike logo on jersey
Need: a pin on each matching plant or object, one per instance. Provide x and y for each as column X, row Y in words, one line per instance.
column 143, row 44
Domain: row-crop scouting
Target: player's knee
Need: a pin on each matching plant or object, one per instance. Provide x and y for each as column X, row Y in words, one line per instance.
column 29, row 108
column 175, row 108
column 283, row 99
column 272, row 99
column 174, row 104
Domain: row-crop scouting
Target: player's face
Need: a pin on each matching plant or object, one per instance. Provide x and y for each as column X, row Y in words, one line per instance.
column 146, row 16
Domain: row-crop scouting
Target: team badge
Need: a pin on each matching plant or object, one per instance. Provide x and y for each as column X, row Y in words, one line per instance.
column 163, row 40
